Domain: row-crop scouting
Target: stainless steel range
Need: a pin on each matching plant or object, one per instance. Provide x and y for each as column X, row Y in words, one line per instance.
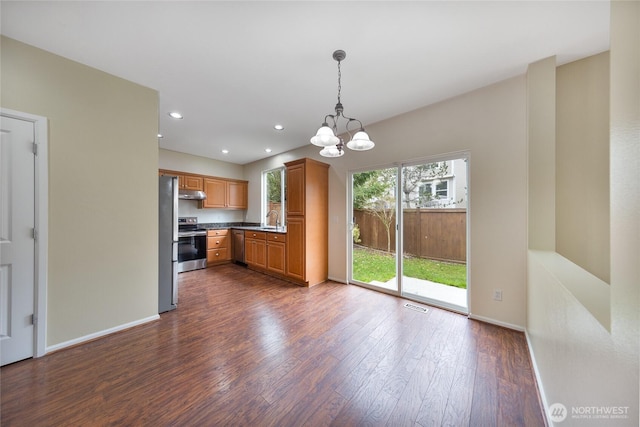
column 192, row 245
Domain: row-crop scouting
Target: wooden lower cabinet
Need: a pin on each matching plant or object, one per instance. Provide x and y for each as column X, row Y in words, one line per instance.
column 218, row 247
column 266, row 252
column 276, row 253
column 255, row 249
column 295, row 249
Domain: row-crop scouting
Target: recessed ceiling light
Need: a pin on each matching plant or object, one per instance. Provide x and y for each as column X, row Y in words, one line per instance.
column 175, row 115
column 225, row 151
column 160, row 135
column 268, row 150
column 278, row 127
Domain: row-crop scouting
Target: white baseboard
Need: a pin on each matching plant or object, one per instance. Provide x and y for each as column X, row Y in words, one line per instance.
column 496, row 322
column 333, row 279
column 99, row 334
column 545, row 403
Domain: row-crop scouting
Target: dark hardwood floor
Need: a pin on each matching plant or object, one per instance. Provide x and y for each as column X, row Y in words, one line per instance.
column 247, row 349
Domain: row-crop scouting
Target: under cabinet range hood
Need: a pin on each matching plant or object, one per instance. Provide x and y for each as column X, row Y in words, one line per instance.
column 191, row 195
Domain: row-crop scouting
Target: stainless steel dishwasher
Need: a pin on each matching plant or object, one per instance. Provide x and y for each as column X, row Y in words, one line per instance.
column 238, row 247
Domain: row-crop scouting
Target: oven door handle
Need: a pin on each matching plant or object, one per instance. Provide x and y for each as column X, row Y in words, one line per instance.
column 192, row 234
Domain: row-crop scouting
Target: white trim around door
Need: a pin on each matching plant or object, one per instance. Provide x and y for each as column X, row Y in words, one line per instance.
column 41, row 199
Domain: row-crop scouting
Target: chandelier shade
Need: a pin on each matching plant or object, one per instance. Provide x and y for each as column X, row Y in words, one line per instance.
column 360, row 142
column 326, row 137
column 331, row 151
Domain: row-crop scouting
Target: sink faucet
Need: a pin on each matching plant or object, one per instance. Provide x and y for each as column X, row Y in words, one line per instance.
column 277, row 217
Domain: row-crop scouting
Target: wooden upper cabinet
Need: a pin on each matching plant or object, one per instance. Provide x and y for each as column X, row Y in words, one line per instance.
column 221, row 192
column 295, row 189
column 216, row 190
column 237, row 194
column 185, row 181
column 191, row 182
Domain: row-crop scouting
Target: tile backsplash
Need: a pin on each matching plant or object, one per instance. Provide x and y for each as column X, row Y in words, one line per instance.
column 190, row 208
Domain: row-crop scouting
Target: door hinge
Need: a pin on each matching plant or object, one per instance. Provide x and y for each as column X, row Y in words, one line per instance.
column 35, row 234
column 33, row 319
column 35, row 148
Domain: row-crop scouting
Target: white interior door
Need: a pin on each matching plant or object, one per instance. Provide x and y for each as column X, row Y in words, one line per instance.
column 17, row 243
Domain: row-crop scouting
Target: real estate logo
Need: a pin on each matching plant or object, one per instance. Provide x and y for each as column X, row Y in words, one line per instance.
column 558, row 412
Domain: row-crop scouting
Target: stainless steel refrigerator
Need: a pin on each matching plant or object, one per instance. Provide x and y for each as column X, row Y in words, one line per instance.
column 168, row 244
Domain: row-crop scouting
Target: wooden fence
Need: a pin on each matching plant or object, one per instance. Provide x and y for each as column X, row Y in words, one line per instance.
column 439, row 234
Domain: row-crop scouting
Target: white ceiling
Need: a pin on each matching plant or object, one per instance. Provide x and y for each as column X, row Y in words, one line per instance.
column 234, row 69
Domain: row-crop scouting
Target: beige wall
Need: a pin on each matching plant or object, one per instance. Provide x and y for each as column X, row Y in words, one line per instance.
column 541, row 160
column 583, row 333
column 489, row 124
column 582, row 159
column 173, row 160
column 103, row 158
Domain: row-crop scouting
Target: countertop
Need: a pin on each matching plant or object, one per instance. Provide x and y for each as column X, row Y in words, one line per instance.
column 270, row 229
column 243, row 226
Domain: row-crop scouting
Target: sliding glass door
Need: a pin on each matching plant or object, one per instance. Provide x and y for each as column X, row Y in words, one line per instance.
column 434, row 232
column 430, row 233
column 373, row 252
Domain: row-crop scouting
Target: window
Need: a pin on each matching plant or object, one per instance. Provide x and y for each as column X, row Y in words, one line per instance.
column 442, row 189
column 273, row 191
column 434, row 193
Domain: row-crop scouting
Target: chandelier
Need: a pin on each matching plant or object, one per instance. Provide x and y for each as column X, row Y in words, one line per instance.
column 326, row 137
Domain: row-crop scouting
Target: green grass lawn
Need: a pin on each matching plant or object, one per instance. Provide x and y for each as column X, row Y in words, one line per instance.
column 371, row 265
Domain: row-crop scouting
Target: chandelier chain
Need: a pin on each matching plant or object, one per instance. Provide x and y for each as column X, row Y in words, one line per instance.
column 339, row 82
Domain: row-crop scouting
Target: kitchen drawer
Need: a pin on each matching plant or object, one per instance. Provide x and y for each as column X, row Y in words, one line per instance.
column 223, row 232
column 276, row 237
column 258, row 235
column 217, row 255
column 214, row 242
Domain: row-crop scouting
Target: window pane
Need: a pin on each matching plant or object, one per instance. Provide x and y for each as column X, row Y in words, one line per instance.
column 374, row 228
column 273, row 196
column 442, row 189
column 425, row 193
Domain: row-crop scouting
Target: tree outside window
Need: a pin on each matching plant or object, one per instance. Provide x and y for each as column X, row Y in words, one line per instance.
column 273, row 196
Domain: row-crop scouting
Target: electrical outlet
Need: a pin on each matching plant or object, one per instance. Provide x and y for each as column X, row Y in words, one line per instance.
column 497, row 294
